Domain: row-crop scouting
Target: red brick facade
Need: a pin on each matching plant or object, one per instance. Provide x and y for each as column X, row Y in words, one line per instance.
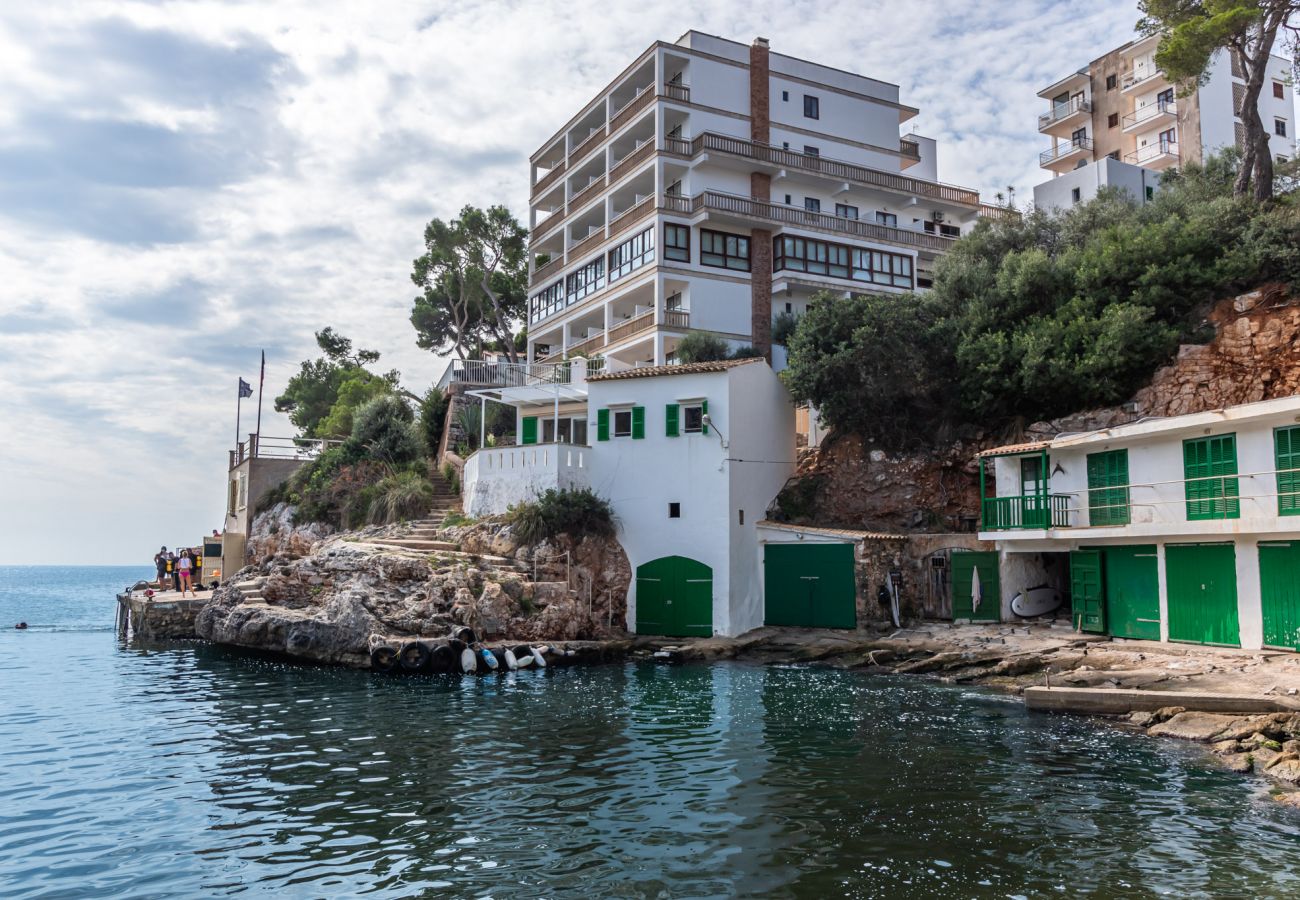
column 760, row 188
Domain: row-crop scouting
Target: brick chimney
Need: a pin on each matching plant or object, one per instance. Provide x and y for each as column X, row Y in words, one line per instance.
column 760, row 188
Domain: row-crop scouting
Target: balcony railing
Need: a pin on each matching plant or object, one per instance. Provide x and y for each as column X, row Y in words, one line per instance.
column 547, row 224
column 587, row 143
column 715, row 201
column 549, row 178
column 1134, row 80
column 679, row 92
column 1061, row 111
column 487, row 373
column 590, row 242
column 1150, row 152
column 909, row 149
column 270, row 447
column 998, row 213
column 627, row 219
column 631, row 326
column 586, row 192
column 631, row 161
column 846, row 171
column 1153, row 111
column 629, row 109
column 549, row 268
column 1064, row 149
column 1031, row 511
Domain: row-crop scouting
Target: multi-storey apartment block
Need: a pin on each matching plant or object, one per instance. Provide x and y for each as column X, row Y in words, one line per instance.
column 712, row 186
column 1119, row 115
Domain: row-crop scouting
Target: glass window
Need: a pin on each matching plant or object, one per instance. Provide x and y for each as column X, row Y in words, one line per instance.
column 1278, row 90
column 1279, row 127
column 811, row 107
column 622, row 423
column 589, row 279
column 1111, row 81
column 884, row 218
column 812, row 204
column 844, row 211
column 693, row 419
column 727, row 251
column 839, row 261
column 546, row 302
column 677, row 242
column 809, row 150
column 632, row 254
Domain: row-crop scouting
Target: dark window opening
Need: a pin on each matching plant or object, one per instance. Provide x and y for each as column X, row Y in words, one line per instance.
column 677, row 242
column 674, row 510
column 726, row 251
column 1111, row 82
column 845, row 211
column 622, row 423
column 811, row 107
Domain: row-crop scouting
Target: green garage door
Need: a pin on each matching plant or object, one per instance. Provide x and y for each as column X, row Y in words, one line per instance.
column 963, row 566
column 1132, row 581
column 1279, row 590
column 1087, row 591
column 674, row 596
column 809, row 585
column 1202, row 584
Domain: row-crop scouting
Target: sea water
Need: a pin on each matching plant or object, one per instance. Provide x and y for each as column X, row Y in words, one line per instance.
column 190, row 771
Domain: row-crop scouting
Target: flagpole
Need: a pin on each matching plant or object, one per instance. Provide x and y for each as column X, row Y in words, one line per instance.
column 260, row 381
column 239, row 400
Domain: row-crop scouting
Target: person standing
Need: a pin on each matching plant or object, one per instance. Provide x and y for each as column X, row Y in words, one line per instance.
column 185, row 567
column 174, row 570
column 160, row 567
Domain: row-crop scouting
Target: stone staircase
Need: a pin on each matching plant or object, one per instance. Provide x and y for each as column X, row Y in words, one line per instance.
column 423, row 535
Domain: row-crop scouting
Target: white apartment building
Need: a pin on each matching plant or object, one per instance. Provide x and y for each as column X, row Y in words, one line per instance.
column 1121, row 108
column 712, row 186
column 1174, row 529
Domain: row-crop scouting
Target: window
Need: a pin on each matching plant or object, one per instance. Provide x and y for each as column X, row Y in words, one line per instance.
column 589, row 279
column 1210, row 470
column 1286, row 446
column 1278, row 91
column 1168, row 140
column 812, row 204
column 1074, row 195
column 932, row 227
column 1279, row 127
column 673, row 302
column 693, row 418
column 674, row 510
column 1114, row 154
column 626, row 422
column 572, row 431
column 1079, row 136
column 632, row 254
column 1112, row 120
column 789, row 307
column 788, row 200
column 785, row 96
column 1108, row 488
column 677, row 242
column 1111, row 82
column 811, row 107
column 844, row 211
column 740, row 516
column 546, row 302
column 726, row 251
column 1165, row 99
column 884, row 218
column 809, row 150
column 798, row 254
column 785, row 145
column 1151, row 193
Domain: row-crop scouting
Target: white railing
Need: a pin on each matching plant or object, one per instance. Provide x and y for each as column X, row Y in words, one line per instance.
column 498, row 478
column 487, row 373
column 269, row 447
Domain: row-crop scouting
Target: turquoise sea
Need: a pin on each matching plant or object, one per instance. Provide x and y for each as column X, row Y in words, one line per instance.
column 189, row 771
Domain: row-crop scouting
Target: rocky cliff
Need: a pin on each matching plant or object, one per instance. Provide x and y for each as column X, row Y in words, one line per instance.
column 328, row 598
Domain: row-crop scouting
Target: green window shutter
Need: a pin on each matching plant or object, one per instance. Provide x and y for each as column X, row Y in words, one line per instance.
column 1108, row 497
column 704, row 411
column 602, row 424
column 638, row 422
column 529, row 433
column 1286, row 443
column 1223, row 462
column 1210, row 468
column 671, row 416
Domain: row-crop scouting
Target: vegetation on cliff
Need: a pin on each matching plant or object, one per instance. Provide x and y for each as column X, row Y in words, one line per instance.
column 1045, row 315
column 577, row 513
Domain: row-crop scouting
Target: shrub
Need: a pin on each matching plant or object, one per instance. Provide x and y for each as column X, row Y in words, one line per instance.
column 399, row 497
column 383, row 429
column 433, row 416
column 700, row 346
column 469, row 417
column 578, row 513
column 783, row 328
column 747, row 351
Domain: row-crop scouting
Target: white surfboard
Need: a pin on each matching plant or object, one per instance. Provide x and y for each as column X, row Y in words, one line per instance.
column 1036, row 601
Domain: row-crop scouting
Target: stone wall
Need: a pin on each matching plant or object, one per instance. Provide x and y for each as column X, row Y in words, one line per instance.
column 925, row 591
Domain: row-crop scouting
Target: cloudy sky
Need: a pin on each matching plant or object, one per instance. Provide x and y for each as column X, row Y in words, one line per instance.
column 184, row 184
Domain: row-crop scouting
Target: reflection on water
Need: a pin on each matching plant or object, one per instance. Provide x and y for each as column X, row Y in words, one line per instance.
column 190, row 771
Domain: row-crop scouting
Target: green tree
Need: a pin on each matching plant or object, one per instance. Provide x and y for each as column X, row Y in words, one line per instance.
column 312, row 396
column 700, row 346
column 1192, row 31
column 473, row 281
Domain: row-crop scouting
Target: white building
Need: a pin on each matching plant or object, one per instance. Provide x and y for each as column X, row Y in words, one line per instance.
column 689, row 458
column 711, row 186
column 1176, row 529
column 1121, row 108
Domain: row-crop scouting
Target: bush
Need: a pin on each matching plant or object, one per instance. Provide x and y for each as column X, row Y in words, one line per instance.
column 700, row 346
column 433, row 416
column 578, row 513
column 783, row 328
column 399, row 497
column 384, row 430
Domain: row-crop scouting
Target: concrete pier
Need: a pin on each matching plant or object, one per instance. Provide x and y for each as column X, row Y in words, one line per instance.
column 165, row 616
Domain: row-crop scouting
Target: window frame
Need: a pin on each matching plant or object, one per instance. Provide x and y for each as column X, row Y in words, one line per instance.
column 1286, row 463
column 841, row 211
column 1279, row 127
column 1109, row 501
column 725, row 258
column 614, row 416
column 1210, row 491
column 630, row 255
column 671, row 250
column 794, row 253
column 546, row 302
column 584, row 281
column 812, row 106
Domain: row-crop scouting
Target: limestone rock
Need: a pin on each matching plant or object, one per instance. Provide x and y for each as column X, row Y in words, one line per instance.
column 1165, row 713
column 1193, row 726
column 1225, row 748
column 1238, row 762
column 1286, row 767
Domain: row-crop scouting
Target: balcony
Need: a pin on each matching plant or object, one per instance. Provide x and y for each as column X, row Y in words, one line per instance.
column 678, row 319
column 478, row 373
column 629, row 110
column 710, row 142
column 549, row 268
column 588, row 143
column 910, row 151
column 1064, row 115
column 1163, row 112
column 749, row 208
column 631, row 161
column 1065, row 154
column 496, row 479
column 1156, row 156
column 679, row 92
column 1028, row 512
column 1140, row 81
column 548, row 179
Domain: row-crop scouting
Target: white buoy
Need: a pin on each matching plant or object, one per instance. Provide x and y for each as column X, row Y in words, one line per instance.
column 524, row 661
column 538, row 658
column 511, row 662
column 468, row 664
column 489, row 658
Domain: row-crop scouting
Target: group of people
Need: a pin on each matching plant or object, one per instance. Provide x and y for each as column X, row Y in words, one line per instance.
column 181, row 569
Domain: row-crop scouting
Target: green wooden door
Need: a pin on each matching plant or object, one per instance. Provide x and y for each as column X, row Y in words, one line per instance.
column 963, row 566
column 1087, row 592
column 809, row 585
column 1202, row 583
column 674, row 596
column 1132, row 588
column 1279, row 591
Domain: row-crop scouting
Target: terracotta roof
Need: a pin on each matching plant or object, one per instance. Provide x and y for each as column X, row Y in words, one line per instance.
column 1013, row 449
column 720, row 365
column 838, row 532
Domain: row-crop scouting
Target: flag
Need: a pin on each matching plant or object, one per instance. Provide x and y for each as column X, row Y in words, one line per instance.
column 245, row 389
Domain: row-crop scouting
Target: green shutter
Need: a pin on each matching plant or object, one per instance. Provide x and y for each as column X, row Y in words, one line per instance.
column 1108, row 498
column 529, row 433
column 1210, row 467
column 671, row 415
column 602, row 424
column 704, row 411
column 1287, row 446
column 638, row 422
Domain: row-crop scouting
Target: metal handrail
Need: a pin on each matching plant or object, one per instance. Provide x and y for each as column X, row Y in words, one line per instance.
column 1151, row 111
column 1064, row 149
column 1151, row 151
column 489, row 373
column 1063, row 110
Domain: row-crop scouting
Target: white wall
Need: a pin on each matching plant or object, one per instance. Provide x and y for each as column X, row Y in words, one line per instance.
column 1215, row 100
column 1057, row 193
column 495, row 480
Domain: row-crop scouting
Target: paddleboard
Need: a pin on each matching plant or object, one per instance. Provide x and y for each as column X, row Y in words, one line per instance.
column 1036, row 601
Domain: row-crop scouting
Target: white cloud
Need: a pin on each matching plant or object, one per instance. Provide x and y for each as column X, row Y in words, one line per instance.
column 182, row 184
